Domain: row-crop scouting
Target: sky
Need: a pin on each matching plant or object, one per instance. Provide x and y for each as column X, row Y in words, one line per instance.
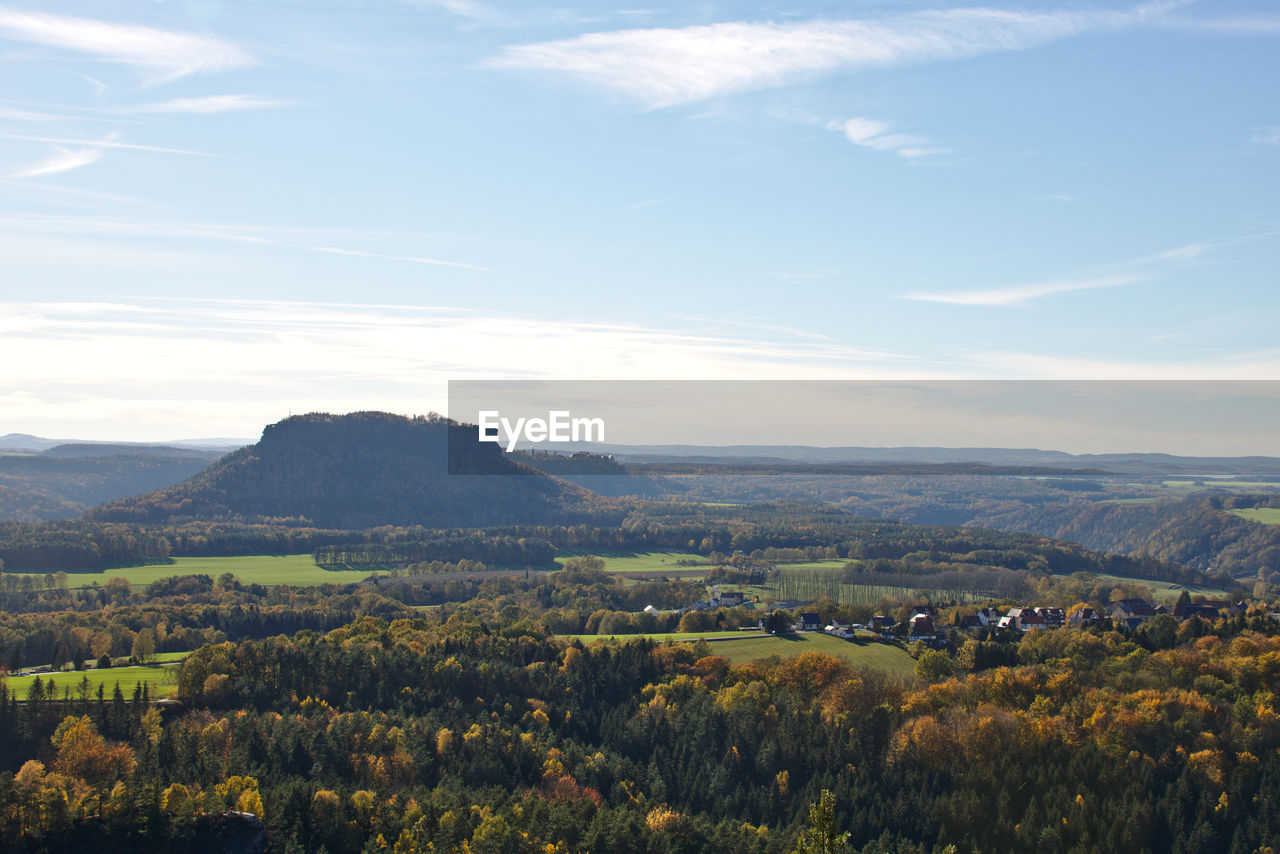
column 213, row 214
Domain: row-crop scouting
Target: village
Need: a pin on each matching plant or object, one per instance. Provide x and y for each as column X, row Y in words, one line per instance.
column 924, row 623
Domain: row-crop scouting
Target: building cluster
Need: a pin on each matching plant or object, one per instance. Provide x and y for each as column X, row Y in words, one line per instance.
column 923, row 625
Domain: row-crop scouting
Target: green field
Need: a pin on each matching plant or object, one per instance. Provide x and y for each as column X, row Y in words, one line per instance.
column 658, row 562
column 1265, row 515
column 817, row 564
column 1165, row 592
column 745, row 647
column 161, row 677
column 877, row 656
column 298, row 570
column 673, row 636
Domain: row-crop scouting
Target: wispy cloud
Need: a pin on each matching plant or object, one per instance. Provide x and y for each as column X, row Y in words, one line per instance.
column 472, row 12
column 872, row 133
column 665, row 67
column 18, row 115
column 1180, row 254
column 1255, row 25
column 163, row 54
column 208, row 104
column 1021, row 293
column 413, row 259
column 233, row 365
column 1266, row 136
column 64, row 161
column 112, row 140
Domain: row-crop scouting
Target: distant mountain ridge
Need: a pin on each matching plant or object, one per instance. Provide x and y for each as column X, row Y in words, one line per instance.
column 63, row 481
column 38, row 444
column 360, row 470
column 1117, row 463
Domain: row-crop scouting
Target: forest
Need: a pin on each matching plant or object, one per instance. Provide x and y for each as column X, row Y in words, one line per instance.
column 443, row 708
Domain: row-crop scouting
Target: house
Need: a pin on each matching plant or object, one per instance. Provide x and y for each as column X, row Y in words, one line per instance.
column 1127, row 610
column 1021, row 620
column 1053, row 617
column 649, row 609
column 1086, row 616
column 731, row 599
column 921, row 628
column 988, row 616
column 1204, row 610
column 809, row 622
column 880, row 622
column 973, row 621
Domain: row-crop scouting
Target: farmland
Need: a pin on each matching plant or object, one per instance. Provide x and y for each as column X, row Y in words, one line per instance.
column 653, row 562
column 297, row 570
column 1265, row 515
column 745, row 647
column 161, row 676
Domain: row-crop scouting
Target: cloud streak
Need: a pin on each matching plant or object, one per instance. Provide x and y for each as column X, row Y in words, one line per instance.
column 162, row 54
column 64, row 161
column 871, row 133
column 666, row 67
column 413, row 259
column 1021, row 293
column 111, row 141
column 208, row 104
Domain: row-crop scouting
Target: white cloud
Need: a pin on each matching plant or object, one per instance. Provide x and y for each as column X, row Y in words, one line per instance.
column 64, row 161
column 875, row 134
column 1188, row 252
column 208, row 104
column 1266, row 136
column 664, row 67
column 414, row 259
column 469, row 9
column 164, row 54
column 228, row 366
column 1021, row 293
column 110, row 141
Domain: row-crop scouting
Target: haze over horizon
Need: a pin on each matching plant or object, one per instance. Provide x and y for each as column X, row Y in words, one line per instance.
column 215, row 214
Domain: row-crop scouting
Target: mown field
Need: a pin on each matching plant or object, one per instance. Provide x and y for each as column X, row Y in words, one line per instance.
column 1265, row 515
column 745, row 647
column 654, row 562
column 161, row 676
column 672, row 636
column 1165, row 592
column 877, row 656
column 298, row 570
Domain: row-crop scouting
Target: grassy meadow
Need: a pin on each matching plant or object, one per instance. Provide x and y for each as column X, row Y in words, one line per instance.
column 297, row 570
column 745, row 647
column 162, row 676
column 1265, row 515
column 651, row 562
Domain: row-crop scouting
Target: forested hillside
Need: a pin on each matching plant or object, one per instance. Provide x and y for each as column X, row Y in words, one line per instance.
column 1196, row 532
column 66, row 480
column 360, row 470
column 473, row 731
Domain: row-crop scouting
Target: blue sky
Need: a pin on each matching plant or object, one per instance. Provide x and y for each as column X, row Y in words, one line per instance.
column 213, row 214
